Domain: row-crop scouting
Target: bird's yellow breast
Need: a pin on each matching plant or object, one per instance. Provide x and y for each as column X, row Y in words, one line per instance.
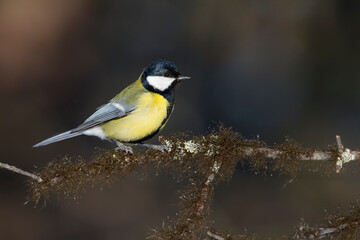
column 147, row 118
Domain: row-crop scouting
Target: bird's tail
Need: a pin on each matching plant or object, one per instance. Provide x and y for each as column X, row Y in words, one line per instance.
column 59, row 137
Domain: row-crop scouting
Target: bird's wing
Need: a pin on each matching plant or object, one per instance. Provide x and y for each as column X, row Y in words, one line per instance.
column 110, row 111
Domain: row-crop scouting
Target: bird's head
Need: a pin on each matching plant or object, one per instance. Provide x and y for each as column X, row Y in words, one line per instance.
column 161, row 76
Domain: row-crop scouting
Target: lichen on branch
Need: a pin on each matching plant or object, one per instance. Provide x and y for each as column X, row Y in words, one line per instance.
column 200, row 161
column 187, row 157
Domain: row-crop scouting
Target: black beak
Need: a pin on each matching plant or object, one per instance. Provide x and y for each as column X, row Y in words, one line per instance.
column 182, row 78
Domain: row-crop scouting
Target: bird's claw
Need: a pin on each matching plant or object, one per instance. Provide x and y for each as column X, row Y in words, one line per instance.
column 127, row 150
column 161, row 148
column 122, row 147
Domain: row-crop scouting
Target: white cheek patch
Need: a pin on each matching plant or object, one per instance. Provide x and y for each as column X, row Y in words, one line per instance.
column 159, row 82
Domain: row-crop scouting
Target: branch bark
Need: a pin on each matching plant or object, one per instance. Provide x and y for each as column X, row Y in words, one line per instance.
column 214, row 236
column 207, row 188
column 345, row 154
column 19, row 171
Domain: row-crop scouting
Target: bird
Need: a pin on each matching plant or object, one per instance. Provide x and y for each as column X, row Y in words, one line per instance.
column 136, row 114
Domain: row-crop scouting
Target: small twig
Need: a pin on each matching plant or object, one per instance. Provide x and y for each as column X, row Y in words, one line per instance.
column 19, row 171
column 307, row 232
column 345, row 155
column 338, row 142
column 206, row 189
column 214, row 235
column 326, row 232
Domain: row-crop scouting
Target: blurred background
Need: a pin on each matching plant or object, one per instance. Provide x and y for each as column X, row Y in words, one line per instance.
column 286, row 68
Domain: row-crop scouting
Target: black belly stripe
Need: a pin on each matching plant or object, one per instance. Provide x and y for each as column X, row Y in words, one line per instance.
column 170, row 98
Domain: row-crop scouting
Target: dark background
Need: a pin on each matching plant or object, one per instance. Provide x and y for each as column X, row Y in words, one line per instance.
column 285, row 68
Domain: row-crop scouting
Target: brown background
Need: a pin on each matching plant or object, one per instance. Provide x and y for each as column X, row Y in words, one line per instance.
column 285, row 68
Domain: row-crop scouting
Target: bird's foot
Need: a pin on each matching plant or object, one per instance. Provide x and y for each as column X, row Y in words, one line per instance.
column 123, row 147
column 161, row 148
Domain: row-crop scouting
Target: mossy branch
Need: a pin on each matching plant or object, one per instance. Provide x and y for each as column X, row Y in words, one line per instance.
column 343, row 225
column 202, row 161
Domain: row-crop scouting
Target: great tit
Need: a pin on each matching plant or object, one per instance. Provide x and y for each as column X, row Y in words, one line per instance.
column 136, row 114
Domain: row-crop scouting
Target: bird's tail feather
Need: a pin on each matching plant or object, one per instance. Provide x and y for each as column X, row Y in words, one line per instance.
column 59, row 137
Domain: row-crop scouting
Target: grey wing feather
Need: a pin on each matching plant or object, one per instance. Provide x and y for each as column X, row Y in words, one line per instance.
column 57, row 138
column 108, row 112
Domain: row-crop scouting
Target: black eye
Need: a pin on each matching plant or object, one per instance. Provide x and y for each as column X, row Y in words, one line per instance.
column 166, row 74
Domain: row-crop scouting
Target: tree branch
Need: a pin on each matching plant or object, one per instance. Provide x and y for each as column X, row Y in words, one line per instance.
column 203, row 161
column 346, row 155
column 19, row 171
